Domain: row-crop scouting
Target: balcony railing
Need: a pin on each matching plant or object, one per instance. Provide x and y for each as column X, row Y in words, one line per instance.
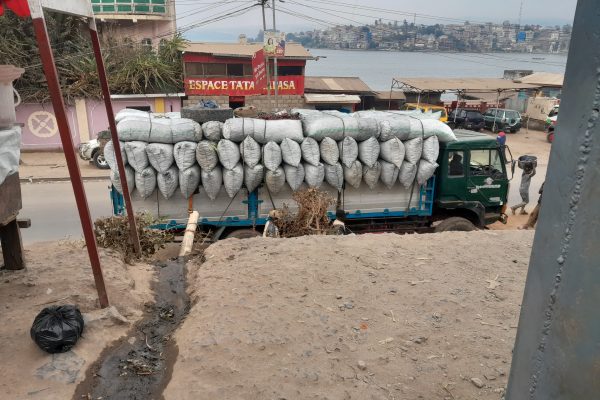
column 130, row 7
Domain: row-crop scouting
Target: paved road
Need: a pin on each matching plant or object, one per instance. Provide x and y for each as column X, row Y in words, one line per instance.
column 51, row 207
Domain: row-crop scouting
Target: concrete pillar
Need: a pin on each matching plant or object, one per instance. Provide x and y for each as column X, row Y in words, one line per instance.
column 83, row 127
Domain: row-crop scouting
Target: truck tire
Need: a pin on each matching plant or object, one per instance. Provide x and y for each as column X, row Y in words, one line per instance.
column 459, row 224
column 99, row 161
column 243, row 234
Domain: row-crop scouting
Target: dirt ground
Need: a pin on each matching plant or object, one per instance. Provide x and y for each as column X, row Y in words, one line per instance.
column 357, row 317
column 59, row 273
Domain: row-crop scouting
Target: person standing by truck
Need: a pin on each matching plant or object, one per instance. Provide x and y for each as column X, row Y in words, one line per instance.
column 533, row 217
column 528, row 173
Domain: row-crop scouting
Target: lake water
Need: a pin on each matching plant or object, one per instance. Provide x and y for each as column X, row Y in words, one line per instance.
column 376, row 68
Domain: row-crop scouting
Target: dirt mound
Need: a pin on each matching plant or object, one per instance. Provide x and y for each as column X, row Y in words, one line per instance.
column 60, row 273
column 355, row 317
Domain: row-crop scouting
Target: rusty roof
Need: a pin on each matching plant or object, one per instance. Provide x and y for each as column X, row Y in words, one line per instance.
column 458, row 84
column 543, row 79
column 336, row 84
column 385, row 95
column 292, row 50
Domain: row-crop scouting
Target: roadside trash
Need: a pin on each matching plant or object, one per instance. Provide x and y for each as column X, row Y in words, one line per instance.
column 57, row 329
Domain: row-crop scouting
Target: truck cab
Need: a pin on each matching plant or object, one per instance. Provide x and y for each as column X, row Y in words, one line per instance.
column 471, row 181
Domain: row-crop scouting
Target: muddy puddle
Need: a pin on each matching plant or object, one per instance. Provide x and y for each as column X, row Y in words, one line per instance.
column 140, row 365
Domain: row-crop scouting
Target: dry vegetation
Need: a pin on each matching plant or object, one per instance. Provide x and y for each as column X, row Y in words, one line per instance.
column 311, row 217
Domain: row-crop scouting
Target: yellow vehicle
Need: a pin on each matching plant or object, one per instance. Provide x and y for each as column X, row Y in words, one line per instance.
column 427, row 108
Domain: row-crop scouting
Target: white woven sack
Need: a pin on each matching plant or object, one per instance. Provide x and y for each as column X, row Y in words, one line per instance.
column 160, row 156
column 348, row 151
column 334, row 175
column 185, row 154
column 250, row 151
column 212, row 130
column 431, row 149
column 145, row 182
column 206, row 155
column 275, row 180
column 438, row 128
column 262, row 131
column 131, row 113
column 233, row 179
column 353, row 174
column 271, row 156
column 425, row 171
column 291, row 153
column 294, row 175
column 413, row 149
column 168, row 182
column 189, row 179
column 109, row 154
column 330, row 153
column 314, row 175
column 407, row 174
column 212, row 181
column 371, row 174
column 389, row 173
column 129, row 175
column 310, row 151
column 393, row 151
column 229, row 153
column 253, row 176
column 368, row 151
column 137, row 157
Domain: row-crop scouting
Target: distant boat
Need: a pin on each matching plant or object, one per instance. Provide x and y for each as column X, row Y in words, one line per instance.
column 539, row 58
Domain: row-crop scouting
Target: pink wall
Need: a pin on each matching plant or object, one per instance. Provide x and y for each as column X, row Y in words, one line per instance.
column 41, row 133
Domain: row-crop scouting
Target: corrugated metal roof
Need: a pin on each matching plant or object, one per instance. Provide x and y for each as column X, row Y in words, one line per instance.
column 458, row 84
column 292, row 50
column 543, row 79
column 385, row 95
column 315, row 98
column 336, row 84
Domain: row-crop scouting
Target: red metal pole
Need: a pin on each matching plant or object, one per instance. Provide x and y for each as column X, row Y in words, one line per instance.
column 133, row 233
column 41, row 34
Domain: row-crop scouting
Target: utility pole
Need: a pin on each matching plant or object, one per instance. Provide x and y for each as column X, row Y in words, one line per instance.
column 415, row 28
column 262, row 4
column 275, row 65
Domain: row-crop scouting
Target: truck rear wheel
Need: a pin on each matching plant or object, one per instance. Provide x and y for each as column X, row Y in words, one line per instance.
column 455, row 224
column 243, row 234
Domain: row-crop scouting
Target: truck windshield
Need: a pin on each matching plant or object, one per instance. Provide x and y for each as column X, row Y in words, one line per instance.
column 486, row 163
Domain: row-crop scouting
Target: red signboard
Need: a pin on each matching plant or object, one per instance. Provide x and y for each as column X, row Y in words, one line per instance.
column 259, row 70
column 242, row 86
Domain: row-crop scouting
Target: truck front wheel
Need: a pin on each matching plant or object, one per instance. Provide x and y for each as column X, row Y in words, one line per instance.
column 243, row 234
column 455, row 224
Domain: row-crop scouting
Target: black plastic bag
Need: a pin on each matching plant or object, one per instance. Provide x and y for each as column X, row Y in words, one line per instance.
column 57, row 329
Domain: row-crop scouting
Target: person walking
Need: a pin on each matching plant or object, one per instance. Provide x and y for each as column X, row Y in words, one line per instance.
column 533, row 217
column 528, row 173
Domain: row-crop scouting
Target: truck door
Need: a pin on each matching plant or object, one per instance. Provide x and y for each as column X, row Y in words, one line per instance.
column 486, row 177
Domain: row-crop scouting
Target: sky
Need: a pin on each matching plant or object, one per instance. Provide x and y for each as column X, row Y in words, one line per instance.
column 329, row 12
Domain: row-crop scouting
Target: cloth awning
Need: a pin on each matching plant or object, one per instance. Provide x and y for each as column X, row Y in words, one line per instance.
column 543, row 79
column 458, row 85
column 317, row 98
column 390, row 95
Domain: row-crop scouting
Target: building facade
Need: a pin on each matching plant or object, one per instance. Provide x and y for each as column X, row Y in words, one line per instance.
column 223, row 72
column 145, row 21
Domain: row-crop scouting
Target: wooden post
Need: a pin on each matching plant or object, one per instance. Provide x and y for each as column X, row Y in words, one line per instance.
column 41, row 34
column 12, row 246
column 190, row 232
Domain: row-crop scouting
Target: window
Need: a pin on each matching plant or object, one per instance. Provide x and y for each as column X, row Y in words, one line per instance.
column 215, row 69
column 463, row 113
column 455, row 164
column 289, row 70
column 141, row 108
column 147, row 42
column 193, row 69
column 474, row 115
column 247, row 69
column 512, row 115
column 235, row 69
column 485, row 163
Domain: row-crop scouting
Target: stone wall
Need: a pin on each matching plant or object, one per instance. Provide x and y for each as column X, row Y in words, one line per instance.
column 261, row 102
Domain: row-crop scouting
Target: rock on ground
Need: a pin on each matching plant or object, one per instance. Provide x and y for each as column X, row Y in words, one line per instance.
column 60, row 273
column 354, row 317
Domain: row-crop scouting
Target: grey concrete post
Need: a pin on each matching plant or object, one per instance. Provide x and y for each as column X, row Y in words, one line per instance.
column 557, row 350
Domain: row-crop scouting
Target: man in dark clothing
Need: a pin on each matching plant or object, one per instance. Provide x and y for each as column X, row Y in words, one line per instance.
column 455, row 166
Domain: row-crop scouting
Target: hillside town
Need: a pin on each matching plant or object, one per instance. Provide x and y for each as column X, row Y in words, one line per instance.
column 467, row 37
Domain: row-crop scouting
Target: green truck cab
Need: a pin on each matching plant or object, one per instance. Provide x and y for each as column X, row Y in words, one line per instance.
column 471, row 182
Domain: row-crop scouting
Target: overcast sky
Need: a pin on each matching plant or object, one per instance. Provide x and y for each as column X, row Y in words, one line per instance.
column 329, row 12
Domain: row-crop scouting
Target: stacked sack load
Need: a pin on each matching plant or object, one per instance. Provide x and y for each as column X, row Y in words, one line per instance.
column 340, row 149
